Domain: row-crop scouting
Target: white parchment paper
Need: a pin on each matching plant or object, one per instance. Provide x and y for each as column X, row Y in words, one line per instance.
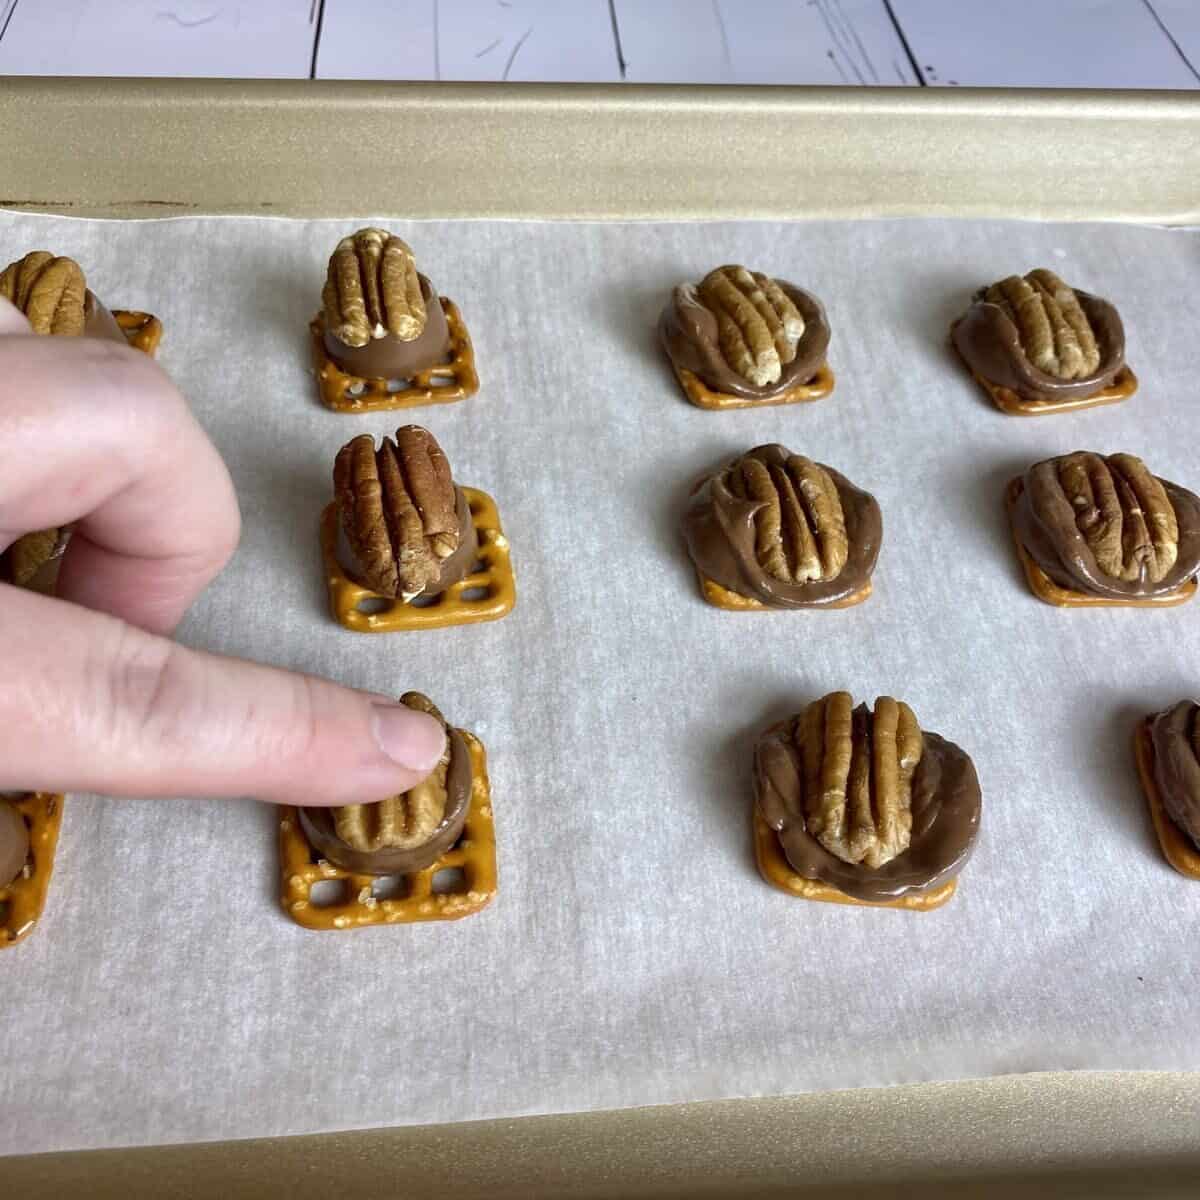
column 633, row 955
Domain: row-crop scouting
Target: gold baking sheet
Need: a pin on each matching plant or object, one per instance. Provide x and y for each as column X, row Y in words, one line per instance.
column 1037, row 1137
column 154, row 147
column 140, row 148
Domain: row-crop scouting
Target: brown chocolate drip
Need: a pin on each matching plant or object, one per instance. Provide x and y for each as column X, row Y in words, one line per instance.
column 14, row 842
column 720, row 533
column 1045, row 524
column 457, row 565
column 100, row 323
column 946, row 803
column 391, row 358
column 1176, row 769
column 991, row 346
column 688, row 330
column 318, row 826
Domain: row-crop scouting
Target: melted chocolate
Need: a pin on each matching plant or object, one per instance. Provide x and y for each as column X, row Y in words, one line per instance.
column 100, row 323
column 991, row 346
column 1176, row 769
column 1044, row 522
column 720, row 534
column 390, row 357
column 14, row 842
column 946, row 803
column 321, row 832
column 688, row 330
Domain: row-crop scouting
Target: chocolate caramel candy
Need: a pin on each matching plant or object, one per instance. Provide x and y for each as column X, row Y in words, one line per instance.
column 866, row 801
column 1103, row 525
column 745, row 334
column 406, row 526
column 1041, row 339
column 383, row 319
column 14, row 842
column 53, row 295
column 1175, row 734
column 403, row 833
column 783, row 530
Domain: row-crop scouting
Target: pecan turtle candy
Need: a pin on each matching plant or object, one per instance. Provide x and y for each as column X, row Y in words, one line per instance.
column 403, row 833
column 1167, row 752
column 854, row 805
column 14, row 841
column 1037, row 345
column 382, row 317
column 1093, row 529
column 773, row 529
column 740, row 338
column 407, row 527
column 53, row 294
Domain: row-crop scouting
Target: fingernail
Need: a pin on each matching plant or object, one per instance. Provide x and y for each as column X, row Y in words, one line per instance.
column 409, row 738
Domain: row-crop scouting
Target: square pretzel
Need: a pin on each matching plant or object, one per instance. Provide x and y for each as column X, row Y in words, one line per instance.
column 457, row 605
column 774, row 867
column 474, row 854
column 1007, row 401
column 1044, row 588
column 142, row 331
column 1177, row 847
column 22, row 901
column 702, row 396
column 721, row 597
column 348, row 393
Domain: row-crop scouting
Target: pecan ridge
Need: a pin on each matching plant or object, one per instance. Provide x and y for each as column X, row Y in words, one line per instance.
column 758, row 325
column 407, row 820
column 372, row 289
column 50, row 291
column 858, row 773
column 800, row 528
column 1054, row 330
column 399, row 509
column 1123, row 513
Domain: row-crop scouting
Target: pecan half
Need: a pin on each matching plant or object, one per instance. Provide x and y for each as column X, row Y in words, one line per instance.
column 408, row 820
column 50, row 291
column 28, row 554
column 758, row 325
column 399, row 509
column 372, row 289
column 1054, row 330
column 858, row 772
column 1123, row 513
column 800, row 530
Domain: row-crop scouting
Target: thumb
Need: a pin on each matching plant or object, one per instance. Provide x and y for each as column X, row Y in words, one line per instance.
column 92, row 704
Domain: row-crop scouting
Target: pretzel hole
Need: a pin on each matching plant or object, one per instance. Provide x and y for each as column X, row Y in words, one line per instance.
column 447, row 880
column 328, row 893
column 356, row 389
column 479, row 567
column 424, row 601
column 473, row 595
column 5, row 908
column 390, row 887
column 398, row 385
column 370, row 605
column 441, row 379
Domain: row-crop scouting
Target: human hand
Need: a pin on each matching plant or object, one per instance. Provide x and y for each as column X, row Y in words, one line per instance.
column 95, row 696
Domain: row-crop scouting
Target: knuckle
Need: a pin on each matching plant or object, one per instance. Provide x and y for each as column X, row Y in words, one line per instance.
column 139, row 689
